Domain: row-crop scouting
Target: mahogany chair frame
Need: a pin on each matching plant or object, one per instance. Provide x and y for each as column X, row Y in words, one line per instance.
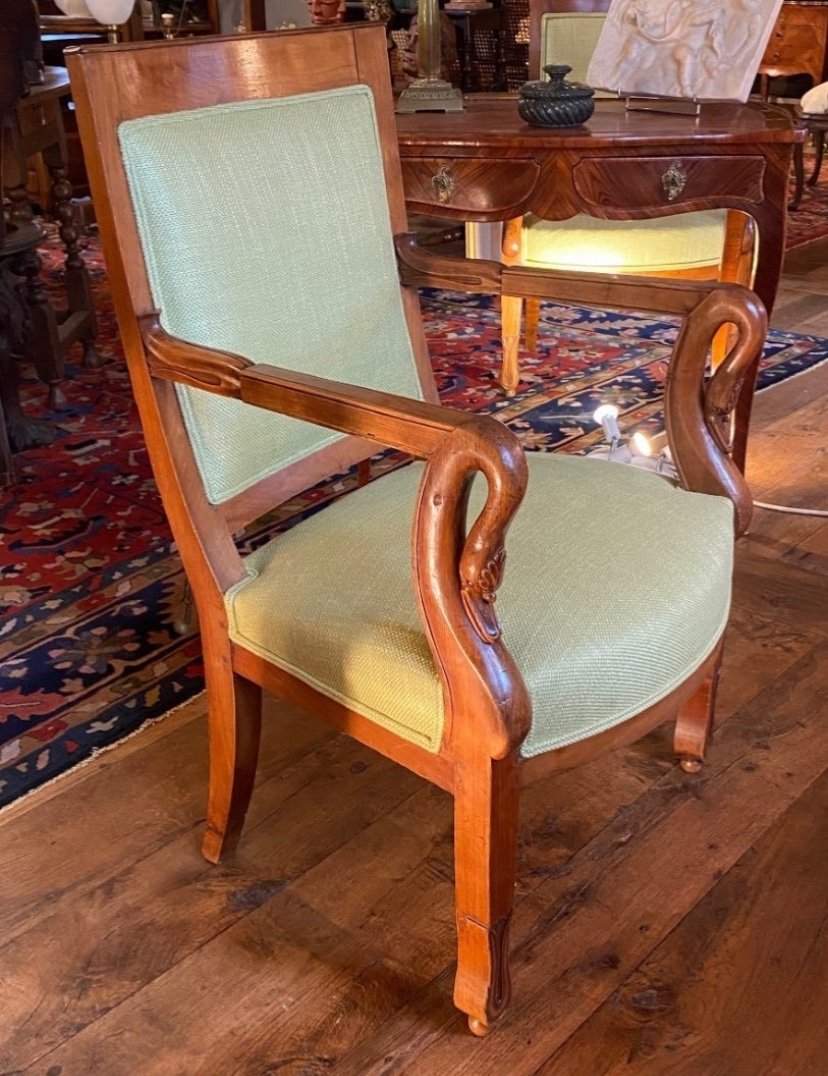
column 456, row 574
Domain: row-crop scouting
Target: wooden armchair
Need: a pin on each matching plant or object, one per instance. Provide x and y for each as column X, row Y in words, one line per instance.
column 712, row 244
column 249, row 196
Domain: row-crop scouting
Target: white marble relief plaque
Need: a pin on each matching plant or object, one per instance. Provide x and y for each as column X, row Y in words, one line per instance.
column 683, row 48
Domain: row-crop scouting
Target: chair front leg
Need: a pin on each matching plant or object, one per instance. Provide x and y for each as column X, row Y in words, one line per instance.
column 485, row 853
column 511, row 309
column 234, row 719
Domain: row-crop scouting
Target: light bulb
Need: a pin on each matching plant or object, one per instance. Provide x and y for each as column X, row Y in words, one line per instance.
column 642, row 445
column 607, row 416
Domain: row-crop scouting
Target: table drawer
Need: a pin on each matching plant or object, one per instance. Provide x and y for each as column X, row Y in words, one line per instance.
column 652, row 182
column 36, row 114
column 493, row 186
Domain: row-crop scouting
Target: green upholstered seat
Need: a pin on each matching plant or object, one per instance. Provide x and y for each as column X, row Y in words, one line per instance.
column 601, row 627
column 664, row 244
column 583, row 243
column 272, row 276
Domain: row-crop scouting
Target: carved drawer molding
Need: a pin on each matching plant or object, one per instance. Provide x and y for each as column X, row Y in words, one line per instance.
column 652, row 182
column 477, row 186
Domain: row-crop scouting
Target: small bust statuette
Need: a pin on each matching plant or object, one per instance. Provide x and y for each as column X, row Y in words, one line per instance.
column 326, row 12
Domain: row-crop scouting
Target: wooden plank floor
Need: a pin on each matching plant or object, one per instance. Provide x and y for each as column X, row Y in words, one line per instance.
column 666, row 923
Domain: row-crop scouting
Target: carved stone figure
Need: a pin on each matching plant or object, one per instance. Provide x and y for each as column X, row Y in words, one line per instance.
column 683, row 48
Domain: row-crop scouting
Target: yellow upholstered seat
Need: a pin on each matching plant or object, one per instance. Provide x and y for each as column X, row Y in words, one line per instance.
column 601, row 630
column 661, row 245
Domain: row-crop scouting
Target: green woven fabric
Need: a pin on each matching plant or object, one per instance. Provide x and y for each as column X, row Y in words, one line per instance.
column 265, row 230
column 687, row 241
column 617, row 587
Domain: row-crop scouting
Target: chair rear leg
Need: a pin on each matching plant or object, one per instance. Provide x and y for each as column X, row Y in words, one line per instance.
column 485, row 853
column 511, row 308
column 235, row 719
column 531, row 319
column 695, row 723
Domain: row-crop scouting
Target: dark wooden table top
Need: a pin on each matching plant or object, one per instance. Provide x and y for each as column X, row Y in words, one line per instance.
column 492, row 120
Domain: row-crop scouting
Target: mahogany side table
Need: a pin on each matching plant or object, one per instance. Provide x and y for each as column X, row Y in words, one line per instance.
column 36, row 127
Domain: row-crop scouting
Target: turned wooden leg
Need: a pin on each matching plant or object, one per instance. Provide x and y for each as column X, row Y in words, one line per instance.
column 19, row 208
column 819, row 146
column 530, row 324
column 695, row 723
column 78, row 287
column 234, row 718
column 485, row 853
column 799, row 175
column 43, row 343
column 511, row 308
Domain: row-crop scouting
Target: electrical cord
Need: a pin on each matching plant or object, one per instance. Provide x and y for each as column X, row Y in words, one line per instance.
column 793, row 511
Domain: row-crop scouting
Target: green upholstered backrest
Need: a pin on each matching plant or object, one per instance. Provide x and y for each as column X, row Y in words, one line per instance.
column 265, row 230
column 570, row 38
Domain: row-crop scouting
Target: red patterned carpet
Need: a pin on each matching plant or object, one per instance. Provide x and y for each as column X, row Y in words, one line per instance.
column 90, row 584
column 810, row 221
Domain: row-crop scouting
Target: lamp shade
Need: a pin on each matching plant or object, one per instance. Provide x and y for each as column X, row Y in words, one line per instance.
column 110, row 12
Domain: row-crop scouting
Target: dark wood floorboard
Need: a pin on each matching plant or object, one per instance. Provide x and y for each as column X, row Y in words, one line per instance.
column 666, row 923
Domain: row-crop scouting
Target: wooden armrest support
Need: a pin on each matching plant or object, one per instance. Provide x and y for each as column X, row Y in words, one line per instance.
column 699, row 415
column 410, row 426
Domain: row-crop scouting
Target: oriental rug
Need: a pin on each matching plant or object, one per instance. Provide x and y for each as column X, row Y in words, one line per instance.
column 809, row 222
column 90, row 583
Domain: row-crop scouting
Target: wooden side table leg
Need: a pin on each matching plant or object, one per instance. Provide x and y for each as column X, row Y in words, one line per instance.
column 819, row 146
column 78, row 287
column 43, row 345
column 19, row 432
column 799, row 175
column 19, row 208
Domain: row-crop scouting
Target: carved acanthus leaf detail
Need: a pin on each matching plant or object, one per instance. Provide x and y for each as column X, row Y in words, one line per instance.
column 479, row 593
column 719, row 405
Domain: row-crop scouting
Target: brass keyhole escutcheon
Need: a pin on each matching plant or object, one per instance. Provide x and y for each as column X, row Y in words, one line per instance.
column 442, row 184
column 673, row 182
